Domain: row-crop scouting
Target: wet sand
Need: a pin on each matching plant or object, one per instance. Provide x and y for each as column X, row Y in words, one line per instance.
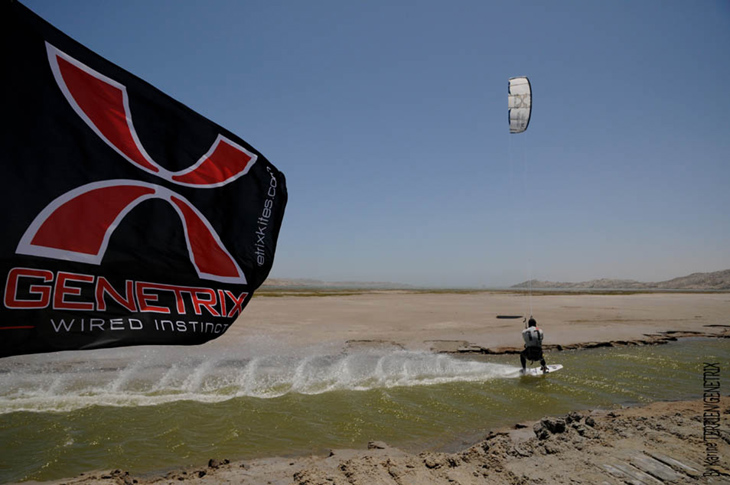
column 662, row 441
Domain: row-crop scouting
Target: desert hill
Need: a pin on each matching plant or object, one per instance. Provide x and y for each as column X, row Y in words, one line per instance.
column 718, row 280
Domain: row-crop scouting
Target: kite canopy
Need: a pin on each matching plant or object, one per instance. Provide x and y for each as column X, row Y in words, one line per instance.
column 135, row 220
column 519, row 102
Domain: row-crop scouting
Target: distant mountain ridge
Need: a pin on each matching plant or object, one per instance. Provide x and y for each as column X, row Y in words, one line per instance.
column 718, row 280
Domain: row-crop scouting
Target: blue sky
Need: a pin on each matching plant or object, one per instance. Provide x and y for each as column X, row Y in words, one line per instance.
column 389, row 119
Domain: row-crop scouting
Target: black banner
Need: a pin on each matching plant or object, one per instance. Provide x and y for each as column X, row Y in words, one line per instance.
column 128, row 219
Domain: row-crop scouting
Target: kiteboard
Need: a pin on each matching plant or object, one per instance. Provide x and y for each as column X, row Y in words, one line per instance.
column 537, row 371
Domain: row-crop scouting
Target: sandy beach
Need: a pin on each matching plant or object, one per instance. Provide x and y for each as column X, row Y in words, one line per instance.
column 659, row 443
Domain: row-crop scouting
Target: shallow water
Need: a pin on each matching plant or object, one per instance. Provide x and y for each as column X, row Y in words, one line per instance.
column 148, row 409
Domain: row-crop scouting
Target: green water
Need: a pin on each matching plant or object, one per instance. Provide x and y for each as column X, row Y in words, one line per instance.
column 60, row 418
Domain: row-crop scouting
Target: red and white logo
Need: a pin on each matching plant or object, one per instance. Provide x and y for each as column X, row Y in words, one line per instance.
column 77, row 226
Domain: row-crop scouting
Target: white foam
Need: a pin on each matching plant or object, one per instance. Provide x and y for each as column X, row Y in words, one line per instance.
column 72, row 380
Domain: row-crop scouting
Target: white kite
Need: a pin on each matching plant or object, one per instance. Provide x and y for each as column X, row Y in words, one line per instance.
column 519, row 102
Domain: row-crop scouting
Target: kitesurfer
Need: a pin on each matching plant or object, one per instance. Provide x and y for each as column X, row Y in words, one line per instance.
column 532, row 336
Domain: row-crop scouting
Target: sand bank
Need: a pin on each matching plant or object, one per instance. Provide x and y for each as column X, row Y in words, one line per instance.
column 459, row 321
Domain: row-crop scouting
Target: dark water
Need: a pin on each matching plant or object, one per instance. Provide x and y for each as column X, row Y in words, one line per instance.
column 145, row 410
